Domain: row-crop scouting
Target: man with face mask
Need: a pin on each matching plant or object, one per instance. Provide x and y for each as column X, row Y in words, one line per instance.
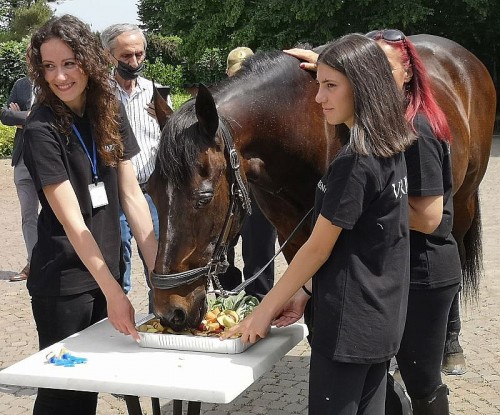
column 126, row 45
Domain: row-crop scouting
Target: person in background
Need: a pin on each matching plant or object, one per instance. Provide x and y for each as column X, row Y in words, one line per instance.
column 77, row 148
column 126, row 46
column 258, row 235
column 15, row 114
column 435, row 271
column 356, row 259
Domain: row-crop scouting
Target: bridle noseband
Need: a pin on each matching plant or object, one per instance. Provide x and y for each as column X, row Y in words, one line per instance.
column 239, row 199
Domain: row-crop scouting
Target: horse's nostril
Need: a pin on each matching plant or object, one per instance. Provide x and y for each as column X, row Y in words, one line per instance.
column 179, row 316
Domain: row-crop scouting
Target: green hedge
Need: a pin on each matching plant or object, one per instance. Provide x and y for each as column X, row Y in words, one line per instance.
column 12, row 66
column 6, row 140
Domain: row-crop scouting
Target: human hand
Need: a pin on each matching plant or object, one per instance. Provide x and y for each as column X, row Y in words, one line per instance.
column 121, row 315
column 252, row 328
column 309, row 56
column 293, row 310
column 14, row 106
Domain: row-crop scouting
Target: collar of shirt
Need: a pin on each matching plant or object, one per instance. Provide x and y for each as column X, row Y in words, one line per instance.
column 139, row 87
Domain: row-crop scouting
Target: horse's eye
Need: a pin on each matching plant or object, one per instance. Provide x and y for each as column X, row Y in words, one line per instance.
column 204, row 199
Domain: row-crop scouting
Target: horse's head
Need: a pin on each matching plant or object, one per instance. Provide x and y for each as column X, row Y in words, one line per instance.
column 201, row 199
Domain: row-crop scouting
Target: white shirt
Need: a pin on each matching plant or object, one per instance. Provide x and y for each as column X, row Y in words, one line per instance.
column 145, row 127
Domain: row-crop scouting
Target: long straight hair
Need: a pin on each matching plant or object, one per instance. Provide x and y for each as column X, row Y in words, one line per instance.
column 380, row 127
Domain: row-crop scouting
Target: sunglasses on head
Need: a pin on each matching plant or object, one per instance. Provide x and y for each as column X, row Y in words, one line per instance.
column 390, row 35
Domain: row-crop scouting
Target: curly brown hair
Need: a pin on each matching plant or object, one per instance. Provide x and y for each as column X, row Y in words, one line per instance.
column 101, row 104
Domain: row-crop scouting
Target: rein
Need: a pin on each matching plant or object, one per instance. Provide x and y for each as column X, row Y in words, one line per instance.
column 257, row 274
column 218, row 263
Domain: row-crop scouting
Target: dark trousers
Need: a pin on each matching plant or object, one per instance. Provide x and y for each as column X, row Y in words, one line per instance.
column 421, row 351
column 258, row 238
column 337, row 388
column 57, row 318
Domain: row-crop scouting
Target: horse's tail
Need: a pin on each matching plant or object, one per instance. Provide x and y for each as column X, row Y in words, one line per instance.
column 472, row 263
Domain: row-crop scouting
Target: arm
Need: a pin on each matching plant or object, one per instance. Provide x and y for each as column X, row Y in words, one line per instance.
column 13, row 117
column 12, row 114
column 64, row 203
column 137, row 212
column 425, row 213
column 309, row 258
column 309, row 56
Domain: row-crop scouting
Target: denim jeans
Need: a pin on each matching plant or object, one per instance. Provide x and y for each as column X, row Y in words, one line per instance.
column 126, row 235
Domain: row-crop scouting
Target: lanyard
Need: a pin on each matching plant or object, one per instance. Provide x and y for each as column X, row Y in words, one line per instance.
column 93, row 160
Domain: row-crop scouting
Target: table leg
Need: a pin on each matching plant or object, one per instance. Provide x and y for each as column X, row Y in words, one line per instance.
column 155, row 404
column 192, row 409
column 177, row 407
column 133, row 405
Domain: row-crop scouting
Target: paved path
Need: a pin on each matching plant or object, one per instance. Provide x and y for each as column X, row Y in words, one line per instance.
column 283, row 390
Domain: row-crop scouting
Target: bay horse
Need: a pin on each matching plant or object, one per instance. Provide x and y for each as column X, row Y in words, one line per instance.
column 262, row 129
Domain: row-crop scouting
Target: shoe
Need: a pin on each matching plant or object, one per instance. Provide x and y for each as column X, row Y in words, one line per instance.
column 22, row 276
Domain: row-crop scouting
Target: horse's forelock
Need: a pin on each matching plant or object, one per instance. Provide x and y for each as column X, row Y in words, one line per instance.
column 179, row 146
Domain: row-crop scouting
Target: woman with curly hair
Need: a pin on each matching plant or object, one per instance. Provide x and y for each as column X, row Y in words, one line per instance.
column 77, row 145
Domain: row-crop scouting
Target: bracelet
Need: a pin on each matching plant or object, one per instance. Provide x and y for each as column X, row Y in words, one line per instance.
column 309, row 293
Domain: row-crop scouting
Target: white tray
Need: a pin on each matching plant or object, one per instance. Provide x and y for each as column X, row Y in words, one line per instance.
column 189, row 342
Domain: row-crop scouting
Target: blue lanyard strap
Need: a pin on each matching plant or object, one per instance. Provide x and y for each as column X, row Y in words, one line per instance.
column 93, row 159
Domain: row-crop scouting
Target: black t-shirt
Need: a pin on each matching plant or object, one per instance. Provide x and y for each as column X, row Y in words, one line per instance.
column 434, row 258
column 51, row 158
column 361, row 292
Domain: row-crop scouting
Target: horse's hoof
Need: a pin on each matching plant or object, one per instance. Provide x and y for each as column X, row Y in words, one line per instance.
column 454, row 364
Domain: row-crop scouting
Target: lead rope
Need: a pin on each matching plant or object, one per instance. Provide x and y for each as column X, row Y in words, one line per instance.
column 224, row 293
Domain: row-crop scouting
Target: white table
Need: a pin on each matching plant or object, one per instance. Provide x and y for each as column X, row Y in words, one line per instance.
column 117, row 364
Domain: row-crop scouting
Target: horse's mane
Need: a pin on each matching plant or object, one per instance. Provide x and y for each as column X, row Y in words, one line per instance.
column 182, row 142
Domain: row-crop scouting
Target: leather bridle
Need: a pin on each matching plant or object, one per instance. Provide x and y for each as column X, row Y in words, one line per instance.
column 239, row 199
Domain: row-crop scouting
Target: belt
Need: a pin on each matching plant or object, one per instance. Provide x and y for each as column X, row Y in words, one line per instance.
column 144, row 187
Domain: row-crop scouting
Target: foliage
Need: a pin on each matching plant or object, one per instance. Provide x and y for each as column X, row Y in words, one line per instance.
column 179, row 99
column 6, row 140
column 12, row 66
column 20, row 18
column 275, row 24
column 210, row 68
column 164, row 48
column 165, row 74
column 28, row 19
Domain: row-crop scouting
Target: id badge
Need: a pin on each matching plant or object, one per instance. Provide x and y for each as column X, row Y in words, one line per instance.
column 98, row 194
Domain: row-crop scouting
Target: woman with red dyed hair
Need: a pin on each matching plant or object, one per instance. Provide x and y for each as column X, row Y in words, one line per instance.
column 435, row 271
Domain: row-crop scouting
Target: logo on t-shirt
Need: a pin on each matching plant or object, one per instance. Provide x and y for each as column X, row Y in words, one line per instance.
column 322, row 186
column 400, row 188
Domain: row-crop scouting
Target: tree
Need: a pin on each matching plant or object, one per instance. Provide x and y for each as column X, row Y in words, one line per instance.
column 274, row 24
column 21, row 17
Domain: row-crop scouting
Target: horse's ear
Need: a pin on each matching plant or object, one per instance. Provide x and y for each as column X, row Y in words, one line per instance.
column 162, row 110
column 206, row 112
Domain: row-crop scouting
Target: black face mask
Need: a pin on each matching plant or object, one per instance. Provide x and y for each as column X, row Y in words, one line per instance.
column 127, row 72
